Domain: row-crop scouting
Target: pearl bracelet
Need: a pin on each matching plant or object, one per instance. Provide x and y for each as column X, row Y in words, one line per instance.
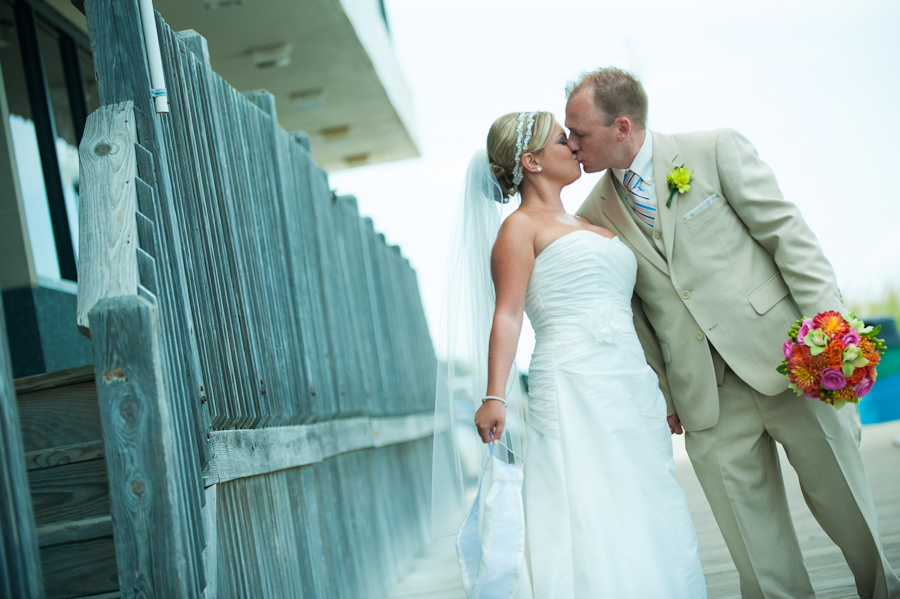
column 500, row 399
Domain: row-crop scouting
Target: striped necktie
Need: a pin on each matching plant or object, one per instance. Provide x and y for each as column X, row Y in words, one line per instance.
column 639, row 198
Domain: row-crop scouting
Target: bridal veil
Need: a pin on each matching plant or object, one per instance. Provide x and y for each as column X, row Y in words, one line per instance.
column 466, row 316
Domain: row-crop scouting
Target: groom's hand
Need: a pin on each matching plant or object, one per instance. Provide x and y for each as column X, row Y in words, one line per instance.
column 675, row 425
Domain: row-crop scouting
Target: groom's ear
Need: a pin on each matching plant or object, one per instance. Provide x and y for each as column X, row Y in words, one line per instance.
column 623, row 128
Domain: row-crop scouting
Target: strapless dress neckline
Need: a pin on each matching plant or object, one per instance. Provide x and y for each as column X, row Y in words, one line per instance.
column 559, row 239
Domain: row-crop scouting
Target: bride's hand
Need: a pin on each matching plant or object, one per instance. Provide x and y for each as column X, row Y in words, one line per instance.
column 490, row 417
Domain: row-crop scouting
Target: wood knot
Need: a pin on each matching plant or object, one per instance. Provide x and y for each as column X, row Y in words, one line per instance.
column 138, row 488
column 116, row 373
column 102, row 149
column 130, row 411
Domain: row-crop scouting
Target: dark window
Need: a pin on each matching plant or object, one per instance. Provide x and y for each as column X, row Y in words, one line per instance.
column 48, row 77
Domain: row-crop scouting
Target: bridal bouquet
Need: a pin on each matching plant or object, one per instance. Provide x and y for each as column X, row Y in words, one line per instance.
column 832, row 357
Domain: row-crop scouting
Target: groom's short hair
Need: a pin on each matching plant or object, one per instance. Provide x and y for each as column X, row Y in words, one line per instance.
column 616, row 93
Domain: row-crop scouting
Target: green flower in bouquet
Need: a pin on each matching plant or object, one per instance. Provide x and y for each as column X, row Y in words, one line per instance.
column 852, row 358
column 817, row 341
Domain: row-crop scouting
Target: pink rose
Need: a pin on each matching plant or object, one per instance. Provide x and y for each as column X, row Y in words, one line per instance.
column 833, row 379
column 862, row 388
column 804, row 329
column 852, row 337
column 787, row 347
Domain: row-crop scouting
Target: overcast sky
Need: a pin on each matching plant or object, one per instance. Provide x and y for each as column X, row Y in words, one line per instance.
column 814, row 85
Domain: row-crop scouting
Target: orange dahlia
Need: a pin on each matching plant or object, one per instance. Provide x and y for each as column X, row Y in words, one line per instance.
column 800, row 357
column 834, row 353
column 869, row 352
column 805, row 379
column 857, row 376
column 873, row 373
column 799, row 352
column 832, row 324
column 817, row 364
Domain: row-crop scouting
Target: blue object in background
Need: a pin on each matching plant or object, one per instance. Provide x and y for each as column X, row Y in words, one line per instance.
column 882, row 404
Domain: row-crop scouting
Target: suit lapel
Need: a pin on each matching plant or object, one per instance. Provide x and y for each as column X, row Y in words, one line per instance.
column 614, row 208
column 665, row 155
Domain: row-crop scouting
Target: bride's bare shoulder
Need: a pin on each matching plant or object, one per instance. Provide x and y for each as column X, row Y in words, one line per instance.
column 517, row 224
column 518, row 230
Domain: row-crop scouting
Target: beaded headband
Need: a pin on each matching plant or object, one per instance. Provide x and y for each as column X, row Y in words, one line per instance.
column 523, row 137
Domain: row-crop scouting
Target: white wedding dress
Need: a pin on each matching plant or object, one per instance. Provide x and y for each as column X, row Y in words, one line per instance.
column 604, row 517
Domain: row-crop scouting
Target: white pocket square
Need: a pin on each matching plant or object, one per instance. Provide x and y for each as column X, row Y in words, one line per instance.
column 703, row 206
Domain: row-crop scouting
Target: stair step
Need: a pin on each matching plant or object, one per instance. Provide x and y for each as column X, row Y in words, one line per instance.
column 73, row 532
column 56, row 379
column 60, row 419
column 67, row 454
column 70, row 493
column 79, row 569
column 57, row 417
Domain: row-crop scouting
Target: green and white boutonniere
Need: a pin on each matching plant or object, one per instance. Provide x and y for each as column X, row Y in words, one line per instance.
column 679, row 180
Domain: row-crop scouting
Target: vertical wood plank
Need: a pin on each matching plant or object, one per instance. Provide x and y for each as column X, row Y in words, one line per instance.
column 20, row 563
column 211, row 552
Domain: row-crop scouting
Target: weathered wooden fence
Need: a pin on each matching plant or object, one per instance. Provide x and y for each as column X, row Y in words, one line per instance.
column 264, row 369
column 20, row 564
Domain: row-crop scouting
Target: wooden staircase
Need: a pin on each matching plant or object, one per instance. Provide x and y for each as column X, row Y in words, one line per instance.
column 64, row 454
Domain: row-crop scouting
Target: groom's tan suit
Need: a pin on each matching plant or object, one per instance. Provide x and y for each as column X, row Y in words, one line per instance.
column 722, row 275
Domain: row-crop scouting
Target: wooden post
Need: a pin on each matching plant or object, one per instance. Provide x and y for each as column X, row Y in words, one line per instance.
column 107, row 225
column 138, row 434
column 20, row 561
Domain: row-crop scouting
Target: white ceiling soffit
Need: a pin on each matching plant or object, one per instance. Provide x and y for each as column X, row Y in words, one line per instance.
column 329, row 64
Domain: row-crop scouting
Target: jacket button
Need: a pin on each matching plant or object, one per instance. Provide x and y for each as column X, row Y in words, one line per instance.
column 700, row 335
column 685, row 294
column 656, row 235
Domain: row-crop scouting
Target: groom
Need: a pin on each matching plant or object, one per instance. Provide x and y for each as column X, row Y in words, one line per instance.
column 724, row 270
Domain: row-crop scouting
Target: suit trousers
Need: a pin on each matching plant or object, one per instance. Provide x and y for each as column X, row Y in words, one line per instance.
column 737, row 464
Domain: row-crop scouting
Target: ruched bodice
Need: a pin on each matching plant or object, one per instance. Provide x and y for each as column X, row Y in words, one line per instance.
column 581, row 280
column 603, row 513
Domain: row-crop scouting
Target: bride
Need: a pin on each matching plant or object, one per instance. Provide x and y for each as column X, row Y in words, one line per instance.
column 604, row 516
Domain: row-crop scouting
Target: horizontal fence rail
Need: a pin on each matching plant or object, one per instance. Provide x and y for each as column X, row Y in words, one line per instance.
column 241, row 453
column 290, row 338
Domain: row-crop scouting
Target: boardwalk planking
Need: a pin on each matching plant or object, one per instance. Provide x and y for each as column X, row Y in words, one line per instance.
column 435, row 573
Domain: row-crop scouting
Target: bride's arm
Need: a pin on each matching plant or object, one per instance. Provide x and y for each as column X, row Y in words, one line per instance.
column 512, row 261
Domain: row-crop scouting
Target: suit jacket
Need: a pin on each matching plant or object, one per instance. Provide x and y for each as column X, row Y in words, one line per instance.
column 740, row 266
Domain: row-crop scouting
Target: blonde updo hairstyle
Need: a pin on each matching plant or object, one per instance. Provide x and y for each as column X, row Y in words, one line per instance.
column 501, row 145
